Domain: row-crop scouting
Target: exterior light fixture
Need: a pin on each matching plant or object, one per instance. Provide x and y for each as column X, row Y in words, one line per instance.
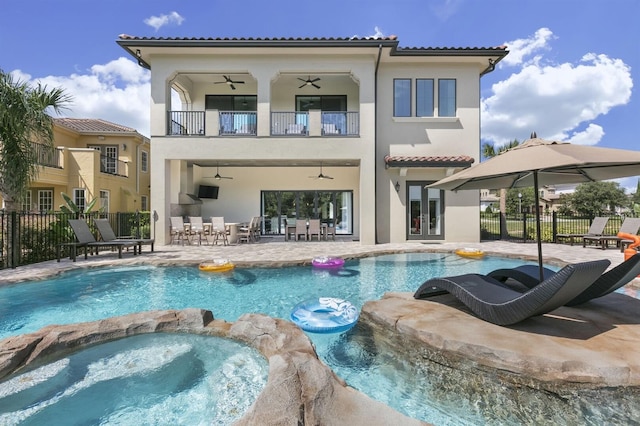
column 397, row 186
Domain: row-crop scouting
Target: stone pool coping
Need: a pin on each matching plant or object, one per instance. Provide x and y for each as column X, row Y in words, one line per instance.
column 300, row 388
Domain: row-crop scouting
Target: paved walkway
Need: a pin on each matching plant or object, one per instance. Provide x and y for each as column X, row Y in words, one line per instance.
column 272, row 252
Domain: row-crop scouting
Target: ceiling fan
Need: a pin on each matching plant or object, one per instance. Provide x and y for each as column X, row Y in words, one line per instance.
column 321, row 175
column 228, row 80
column 309, row 82
column 217, row 175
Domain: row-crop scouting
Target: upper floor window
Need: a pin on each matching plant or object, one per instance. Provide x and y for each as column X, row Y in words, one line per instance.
column 424, row 97
column 323, row 103
column 108, row 157
column 144, row 161
column 231, row 102
column 447, row 97
column 45, row 200
column 144, row 203
column 402, row 97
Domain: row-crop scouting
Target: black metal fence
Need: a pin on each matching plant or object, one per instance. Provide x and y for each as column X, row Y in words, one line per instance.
column 522, row 227
column 27, row 238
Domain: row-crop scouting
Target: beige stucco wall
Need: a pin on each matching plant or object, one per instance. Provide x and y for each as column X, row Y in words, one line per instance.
column 427, row 136
column 271, row 74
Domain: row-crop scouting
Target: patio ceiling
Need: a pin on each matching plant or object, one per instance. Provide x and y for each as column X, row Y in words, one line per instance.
column 275, row 163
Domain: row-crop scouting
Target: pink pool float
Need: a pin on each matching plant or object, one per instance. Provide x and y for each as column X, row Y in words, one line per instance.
column 328, row 262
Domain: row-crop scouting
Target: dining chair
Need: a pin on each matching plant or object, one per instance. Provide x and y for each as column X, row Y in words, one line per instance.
column 314, row 229
column 219, row 230
column 196, row 227
column 301, row 229
column 178, row 232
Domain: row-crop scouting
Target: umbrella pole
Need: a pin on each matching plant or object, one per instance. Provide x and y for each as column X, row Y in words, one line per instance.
column 538, row 231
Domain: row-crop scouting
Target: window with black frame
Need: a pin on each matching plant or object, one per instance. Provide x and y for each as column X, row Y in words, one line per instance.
column 333, row 208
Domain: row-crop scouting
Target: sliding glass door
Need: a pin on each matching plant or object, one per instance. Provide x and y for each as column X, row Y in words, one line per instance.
column 335, row 208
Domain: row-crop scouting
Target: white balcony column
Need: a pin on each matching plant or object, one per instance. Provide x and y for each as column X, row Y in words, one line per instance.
column 160, row 101
column 264, row 78
column 315, row 122
column 212, row 118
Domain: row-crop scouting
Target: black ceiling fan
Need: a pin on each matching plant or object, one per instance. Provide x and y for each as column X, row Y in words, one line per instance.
column 309, row 82
column 217, row 176
column 321, row 175
column 228, row 80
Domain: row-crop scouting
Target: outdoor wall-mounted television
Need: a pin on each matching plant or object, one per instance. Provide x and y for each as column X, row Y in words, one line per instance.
column 206, row 191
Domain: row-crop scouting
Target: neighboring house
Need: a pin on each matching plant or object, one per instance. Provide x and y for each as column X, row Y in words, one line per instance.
column 92, row 158
column 549, row 200
column 280, row 115
column 489, row 201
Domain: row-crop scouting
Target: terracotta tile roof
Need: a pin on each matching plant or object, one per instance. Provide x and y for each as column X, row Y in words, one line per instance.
column 428, row 161
column 391, row 40
column 92, row 125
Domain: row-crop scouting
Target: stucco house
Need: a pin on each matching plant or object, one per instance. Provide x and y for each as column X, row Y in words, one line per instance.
column 348, row 130
column 92, row 158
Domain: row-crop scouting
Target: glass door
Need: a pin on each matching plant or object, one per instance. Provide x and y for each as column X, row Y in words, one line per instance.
column 425, row 212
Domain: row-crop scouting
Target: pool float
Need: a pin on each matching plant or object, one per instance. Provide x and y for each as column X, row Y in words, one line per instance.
column 325, row 315
column 216, row 265
column 472, row 253
column 327, row 262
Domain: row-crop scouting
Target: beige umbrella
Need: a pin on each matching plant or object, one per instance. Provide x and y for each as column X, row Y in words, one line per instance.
column 539, row 162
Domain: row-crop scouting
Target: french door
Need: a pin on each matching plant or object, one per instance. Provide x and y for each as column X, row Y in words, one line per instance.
column 425, row 212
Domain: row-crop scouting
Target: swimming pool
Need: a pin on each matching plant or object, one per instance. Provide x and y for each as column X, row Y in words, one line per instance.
column 161, row 378
column 100, row 293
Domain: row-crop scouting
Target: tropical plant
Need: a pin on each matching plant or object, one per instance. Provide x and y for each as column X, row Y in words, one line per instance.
column 73, row 208
column 24, row 119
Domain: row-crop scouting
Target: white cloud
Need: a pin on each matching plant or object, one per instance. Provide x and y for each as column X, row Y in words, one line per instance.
column 522, row 48
column 118, row 91
column 158, row 22
column 557, row 101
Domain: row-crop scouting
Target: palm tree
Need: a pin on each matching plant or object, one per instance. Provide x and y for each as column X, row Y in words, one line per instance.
column 489, row 151
column 24, row 119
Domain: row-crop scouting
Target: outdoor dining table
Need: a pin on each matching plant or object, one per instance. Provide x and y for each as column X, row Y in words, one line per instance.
column 291, row 229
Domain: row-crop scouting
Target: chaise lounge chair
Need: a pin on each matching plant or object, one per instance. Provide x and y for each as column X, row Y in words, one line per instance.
column 493, row 301
column 86, row 240
column 107, row 234
column 630, row 225
column 596, row 229
column 607, row 283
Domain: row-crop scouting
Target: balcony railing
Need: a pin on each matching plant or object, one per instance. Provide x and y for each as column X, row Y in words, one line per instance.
column 238, row 123
column 291, row 123
column 113, row 166
column 185, row 123
column 340, row 123
column 245, row 123
column 46, row 155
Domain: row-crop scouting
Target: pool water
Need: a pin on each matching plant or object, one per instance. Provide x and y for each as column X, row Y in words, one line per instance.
column 146, row 379
column 89, row 295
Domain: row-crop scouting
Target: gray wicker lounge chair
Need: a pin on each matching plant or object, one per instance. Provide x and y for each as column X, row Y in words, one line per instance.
column 607, row 283
column 630, row 225
column 595, row 230
column 86, row 240
column 107, row 234
column 493, row 301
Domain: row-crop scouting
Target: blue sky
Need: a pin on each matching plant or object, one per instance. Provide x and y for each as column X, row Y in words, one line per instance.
column 569, row 76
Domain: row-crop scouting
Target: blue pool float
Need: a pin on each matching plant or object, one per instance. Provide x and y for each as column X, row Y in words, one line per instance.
column 325, row 315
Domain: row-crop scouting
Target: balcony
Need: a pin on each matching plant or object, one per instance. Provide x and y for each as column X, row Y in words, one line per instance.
column 47, row 156
column 245, row 123
column 113, row 166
